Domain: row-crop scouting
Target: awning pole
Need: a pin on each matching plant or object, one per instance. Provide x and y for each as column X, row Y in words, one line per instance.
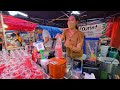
column 3, row 29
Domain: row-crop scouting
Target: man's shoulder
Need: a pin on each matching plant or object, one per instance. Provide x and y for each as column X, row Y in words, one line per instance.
column 44, row 30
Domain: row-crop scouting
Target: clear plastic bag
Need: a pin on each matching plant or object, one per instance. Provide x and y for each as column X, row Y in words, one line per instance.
column 58, row 48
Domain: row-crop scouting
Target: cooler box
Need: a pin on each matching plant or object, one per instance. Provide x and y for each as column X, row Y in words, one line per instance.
column 57, row 68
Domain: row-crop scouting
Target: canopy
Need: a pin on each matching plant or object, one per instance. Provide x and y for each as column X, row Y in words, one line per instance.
column 52, row 30
column 18, row 24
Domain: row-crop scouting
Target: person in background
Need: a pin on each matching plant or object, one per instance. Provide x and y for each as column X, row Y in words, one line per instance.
column 47, row 42
column 13, row 38
column 73, row 40
column 19, row 38
column 31, row 43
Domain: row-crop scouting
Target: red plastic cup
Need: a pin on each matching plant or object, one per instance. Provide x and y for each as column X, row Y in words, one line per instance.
column 32, row 76
column 38, row 74
column 8, row 75
column 26, row 74
column 16, row 68
column 16, row 75
column 23, row 75
column 2, row 67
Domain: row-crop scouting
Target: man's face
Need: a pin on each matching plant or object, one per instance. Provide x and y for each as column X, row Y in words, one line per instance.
column 39, row 31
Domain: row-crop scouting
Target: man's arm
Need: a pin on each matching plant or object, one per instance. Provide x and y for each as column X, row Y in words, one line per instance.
column 46, row 40
column 46, row 37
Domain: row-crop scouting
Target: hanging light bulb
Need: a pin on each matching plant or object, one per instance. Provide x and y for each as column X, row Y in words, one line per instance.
column 13, row 13
column 75, row 12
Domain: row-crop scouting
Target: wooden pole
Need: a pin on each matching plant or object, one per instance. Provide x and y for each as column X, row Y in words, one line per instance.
column 3, row 29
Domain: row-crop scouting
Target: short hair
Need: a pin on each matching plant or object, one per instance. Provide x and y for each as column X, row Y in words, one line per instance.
column 38, row 28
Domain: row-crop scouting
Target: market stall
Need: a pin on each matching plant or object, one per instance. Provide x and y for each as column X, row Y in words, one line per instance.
column 14, row 26
column 16, row 63
column 99, row 60
column 99, row 44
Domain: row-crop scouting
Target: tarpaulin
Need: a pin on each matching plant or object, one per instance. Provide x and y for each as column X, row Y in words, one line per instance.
column 109, row 26
column 18, row 24
column 52, row 30
column 115, row 36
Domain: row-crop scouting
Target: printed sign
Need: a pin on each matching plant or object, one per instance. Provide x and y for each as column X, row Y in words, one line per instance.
column 91, row 49
column 40, row 46
column 93, row 30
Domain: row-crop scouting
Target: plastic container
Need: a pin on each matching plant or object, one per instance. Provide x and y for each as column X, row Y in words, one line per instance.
column 28, row 62
column 57, row 68
column 44, row 63
column 75, row 74
column 16, row 75
column 104, row 51
column 32, row 76
column 26, row 74
column 2, row 67
column 108, row 64
column 34, row 55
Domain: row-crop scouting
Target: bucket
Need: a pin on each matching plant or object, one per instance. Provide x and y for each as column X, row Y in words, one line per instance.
column 103, row 75
column 57, row 68
column 104, row 51
column 108, row 64
column 45, row 63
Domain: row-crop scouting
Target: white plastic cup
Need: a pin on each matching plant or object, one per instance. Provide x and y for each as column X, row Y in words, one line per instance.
column 104, row 51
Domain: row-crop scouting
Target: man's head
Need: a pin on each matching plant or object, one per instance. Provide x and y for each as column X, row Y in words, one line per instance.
column 38, row 30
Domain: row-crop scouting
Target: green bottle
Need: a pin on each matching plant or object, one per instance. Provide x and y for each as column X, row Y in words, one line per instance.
column 42, row 54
